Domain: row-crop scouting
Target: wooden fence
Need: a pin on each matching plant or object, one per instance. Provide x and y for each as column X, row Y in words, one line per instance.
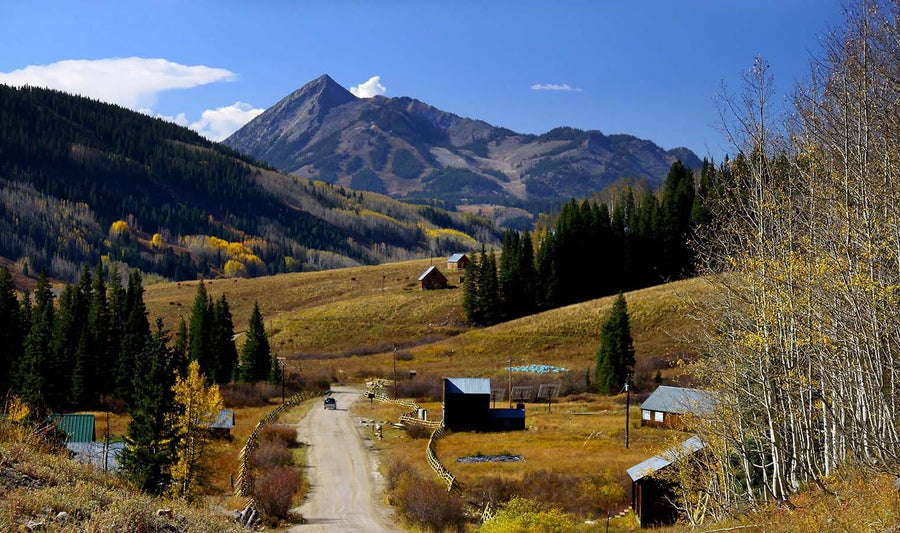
column 244, row 484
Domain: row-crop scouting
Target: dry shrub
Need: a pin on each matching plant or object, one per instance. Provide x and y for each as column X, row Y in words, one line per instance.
column 496, row 490
column 584, row 495
column 418, row 431
column 274, row 492
column 395, row 470
column 428, row 504
column 271, row 454
column 248, row 394
column 405, row 355
column 423, row 388
column 282, row 433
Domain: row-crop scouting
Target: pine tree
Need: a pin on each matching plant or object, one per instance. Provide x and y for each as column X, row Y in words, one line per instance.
column 489, row 289
column 151, row 435
column 181, row 346
column 11, row 333
column 200, row 345
column 615, row 357
column 136, row 335
column 256, row 358
column 100, row 331
column 527, row 276
column 33, row 370
column 470, row 292
column 224, row 350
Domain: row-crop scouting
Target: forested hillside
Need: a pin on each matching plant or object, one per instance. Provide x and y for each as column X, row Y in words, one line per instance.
column 83, row 181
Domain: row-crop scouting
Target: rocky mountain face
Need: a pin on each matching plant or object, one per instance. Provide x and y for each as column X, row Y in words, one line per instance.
column 408, row 149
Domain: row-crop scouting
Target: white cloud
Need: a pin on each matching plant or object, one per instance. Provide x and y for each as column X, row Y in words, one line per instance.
column 217, row 124
column 371, row 88
column 132, row 82
column 180, row 118
column 555, row 87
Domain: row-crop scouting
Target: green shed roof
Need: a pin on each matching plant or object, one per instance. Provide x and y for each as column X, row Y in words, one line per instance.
column 79, row 427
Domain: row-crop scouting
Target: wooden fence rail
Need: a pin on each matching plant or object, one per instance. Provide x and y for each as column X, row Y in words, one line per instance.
column 244, row 484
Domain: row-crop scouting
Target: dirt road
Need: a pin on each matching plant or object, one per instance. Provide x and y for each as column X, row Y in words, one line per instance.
column 343, row 493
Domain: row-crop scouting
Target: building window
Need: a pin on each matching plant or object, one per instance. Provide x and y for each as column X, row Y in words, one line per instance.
column 645, row 414
column 658, row 416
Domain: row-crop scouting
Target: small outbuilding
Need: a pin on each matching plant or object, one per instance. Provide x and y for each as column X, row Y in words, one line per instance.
column 457, row 262
column 467, row 407
column 667, row 405
column 223, row 425
column 100, row 455
column 432, row 279
column 78, row 427
column 651, row 497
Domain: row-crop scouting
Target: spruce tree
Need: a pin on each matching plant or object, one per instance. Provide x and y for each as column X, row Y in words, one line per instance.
column 527, row 276
column 470, row 292
column 35, row 361
column 256, row 358
column 615, row 357
column 151, row 436
column 489, row 289
column 181, row 347
column 136, row 335
column 100, row 332
column 200, row 345
column 223, row 342
column 11, row 334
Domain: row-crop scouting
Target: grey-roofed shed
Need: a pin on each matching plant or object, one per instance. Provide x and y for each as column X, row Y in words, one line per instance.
column 223, row 425
column 98, row 454
column 666, row 406
column 457, row 262
column 651, row 498
column 432, row 279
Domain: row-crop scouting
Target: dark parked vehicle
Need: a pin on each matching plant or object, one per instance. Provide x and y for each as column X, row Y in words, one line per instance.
column 330, row 403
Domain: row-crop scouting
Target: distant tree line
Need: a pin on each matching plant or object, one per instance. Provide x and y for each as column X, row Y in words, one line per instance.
column 595, row 249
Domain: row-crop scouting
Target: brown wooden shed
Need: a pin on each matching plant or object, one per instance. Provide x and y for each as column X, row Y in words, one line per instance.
column 667, row 405
column 432, row 279
column 651, row 497
column 457, row 262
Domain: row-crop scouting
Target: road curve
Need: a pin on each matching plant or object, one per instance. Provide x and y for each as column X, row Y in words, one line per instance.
column 343, row 495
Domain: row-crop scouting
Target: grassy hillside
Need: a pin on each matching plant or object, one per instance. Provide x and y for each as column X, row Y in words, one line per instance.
column 342, row 322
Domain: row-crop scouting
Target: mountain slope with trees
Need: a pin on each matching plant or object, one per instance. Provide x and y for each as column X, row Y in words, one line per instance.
column 82, row 180
column 412, row 150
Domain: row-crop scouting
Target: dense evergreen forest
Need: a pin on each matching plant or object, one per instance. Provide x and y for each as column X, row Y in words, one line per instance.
column 595, row 248
column 95, row 344
column 83, row 181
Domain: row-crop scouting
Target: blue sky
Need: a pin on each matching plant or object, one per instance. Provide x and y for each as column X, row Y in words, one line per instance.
column 650, row 68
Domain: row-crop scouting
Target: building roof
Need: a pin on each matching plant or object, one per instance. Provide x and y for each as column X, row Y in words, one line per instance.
column 225, row 420
column 658, row 462
column 79, row 427
column 680, row 401
column 468, row 385
column 93, row 453
column 429, row 271
column 455, row 258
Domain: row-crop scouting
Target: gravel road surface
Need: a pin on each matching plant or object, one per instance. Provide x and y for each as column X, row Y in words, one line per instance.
column 344, row 495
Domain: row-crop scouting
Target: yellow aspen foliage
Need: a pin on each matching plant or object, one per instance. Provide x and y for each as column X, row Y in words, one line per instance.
column 119, row 227
column 199, row 406
column 156, row 241
column 235, row 269
column 215, row 242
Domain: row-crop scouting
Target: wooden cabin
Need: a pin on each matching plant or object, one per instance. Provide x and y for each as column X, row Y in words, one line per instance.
column 457, row 262
column 651, row 497
column 667, row 405
column 432, row 279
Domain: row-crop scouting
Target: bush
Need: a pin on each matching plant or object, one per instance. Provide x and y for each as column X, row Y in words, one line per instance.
column 425, row 388
column 524, row 516
column 395, row 470
column 496, row 490
column 248, row 394
column 428, row 504
column 274, row 493
column 418, row 431
column 269, row 455
column 272, row 433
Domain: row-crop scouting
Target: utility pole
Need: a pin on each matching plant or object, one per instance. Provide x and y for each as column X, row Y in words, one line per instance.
column 627, row 410
column 509, row 382
column 395, row 371
column 282, row 381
